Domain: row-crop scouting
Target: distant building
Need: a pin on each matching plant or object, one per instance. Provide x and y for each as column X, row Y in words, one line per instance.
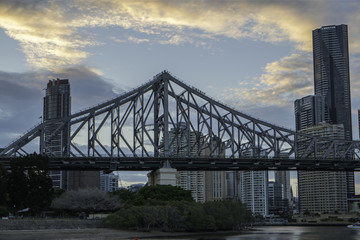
column 57, row 105
column 188, row 180
column 309, row 111
column 283, row 178
column 331, row 74
column 231, row 184
column 215, row 181
column 109, row 182
column 323, row 191
column 332, row 80
column 275, row 197
column 253, row 189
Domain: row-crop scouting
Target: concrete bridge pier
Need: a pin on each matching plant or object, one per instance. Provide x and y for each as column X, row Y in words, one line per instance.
column 166, row 175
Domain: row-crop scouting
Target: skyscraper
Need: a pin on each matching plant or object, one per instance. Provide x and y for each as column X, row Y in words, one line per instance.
column 283, row 178
column 309, row 111
column 323, row 191
column 188, row 180
column 109, row 182
column 332, row 79
column 331, row 74
column 253, row 189
column 57, row 104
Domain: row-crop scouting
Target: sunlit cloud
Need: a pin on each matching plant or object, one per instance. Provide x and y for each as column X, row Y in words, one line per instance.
column 137, row 40
column 55, row 34
column 43, row 32
column 283, row 81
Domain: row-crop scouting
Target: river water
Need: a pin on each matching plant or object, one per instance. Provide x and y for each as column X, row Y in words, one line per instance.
column 294, row 233
column 260, row 233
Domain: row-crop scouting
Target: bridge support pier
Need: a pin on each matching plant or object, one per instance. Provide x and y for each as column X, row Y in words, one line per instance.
column 163, row 176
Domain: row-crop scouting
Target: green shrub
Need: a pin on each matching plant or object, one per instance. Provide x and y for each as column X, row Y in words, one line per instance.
column 3, row 212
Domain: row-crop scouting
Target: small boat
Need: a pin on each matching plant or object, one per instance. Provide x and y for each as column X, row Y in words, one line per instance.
column 355, row 225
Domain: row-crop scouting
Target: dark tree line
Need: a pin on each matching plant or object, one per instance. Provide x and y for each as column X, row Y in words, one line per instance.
column 26, row 185
column 169, row 208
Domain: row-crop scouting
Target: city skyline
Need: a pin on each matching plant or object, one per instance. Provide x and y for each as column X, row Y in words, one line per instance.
column 261, row 52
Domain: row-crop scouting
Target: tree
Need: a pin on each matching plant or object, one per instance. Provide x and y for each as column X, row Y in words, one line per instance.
column 29, row 185
column 17, row 185
column 86, row 200
column 228, row 214
column 127, row 197
column 165, row 193
column 3, row 185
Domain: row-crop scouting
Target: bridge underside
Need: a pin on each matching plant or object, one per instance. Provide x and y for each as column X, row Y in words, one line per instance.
column 204, row 163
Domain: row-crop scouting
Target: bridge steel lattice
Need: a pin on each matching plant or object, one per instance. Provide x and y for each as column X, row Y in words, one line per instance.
column 165, row 118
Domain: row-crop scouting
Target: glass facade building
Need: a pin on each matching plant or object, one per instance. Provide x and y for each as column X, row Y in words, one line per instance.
column 309, row 111
column 331, row 74
column 332, row 80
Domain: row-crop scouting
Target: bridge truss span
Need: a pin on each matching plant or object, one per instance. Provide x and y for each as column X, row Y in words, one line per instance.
column 167, row 118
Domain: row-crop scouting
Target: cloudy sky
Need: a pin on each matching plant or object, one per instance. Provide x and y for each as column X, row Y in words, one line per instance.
column 255, row 55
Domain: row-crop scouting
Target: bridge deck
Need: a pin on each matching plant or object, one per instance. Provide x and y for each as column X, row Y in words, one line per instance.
column 207, row 164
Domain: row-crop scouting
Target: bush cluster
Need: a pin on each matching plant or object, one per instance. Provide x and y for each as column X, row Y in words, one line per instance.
column 152, row 208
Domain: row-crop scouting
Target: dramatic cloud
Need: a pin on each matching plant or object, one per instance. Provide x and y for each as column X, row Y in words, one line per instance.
column 54, row 34
column 283, row 81
column 21, row 97
column 57, row 34
column 43, row 31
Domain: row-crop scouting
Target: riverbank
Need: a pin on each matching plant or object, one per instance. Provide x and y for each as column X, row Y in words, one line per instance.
column 105, row 233
column 76, row 229
column 56, row 223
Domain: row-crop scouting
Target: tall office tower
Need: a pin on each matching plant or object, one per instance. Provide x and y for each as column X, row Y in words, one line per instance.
column 332, row 79
column 57, row 104
column 253, row 189
column 275, row 197
column 309, row 111
column 283, row 178
column 323, row 191
column 109, row 182
column 231, row 189
column 331, row 74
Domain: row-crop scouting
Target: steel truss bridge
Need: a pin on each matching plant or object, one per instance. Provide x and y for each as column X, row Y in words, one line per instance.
column 165, row 121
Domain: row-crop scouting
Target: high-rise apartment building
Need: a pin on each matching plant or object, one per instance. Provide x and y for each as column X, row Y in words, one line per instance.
column 253, row 189
column 309, row 111
column 57, row 105
column 178, row 146
column 323, row 191
column 332, row 80
column 109, row 182
column 331, row 74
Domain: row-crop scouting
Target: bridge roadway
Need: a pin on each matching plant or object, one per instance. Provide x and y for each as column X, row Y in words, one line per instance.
column 203, row 163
